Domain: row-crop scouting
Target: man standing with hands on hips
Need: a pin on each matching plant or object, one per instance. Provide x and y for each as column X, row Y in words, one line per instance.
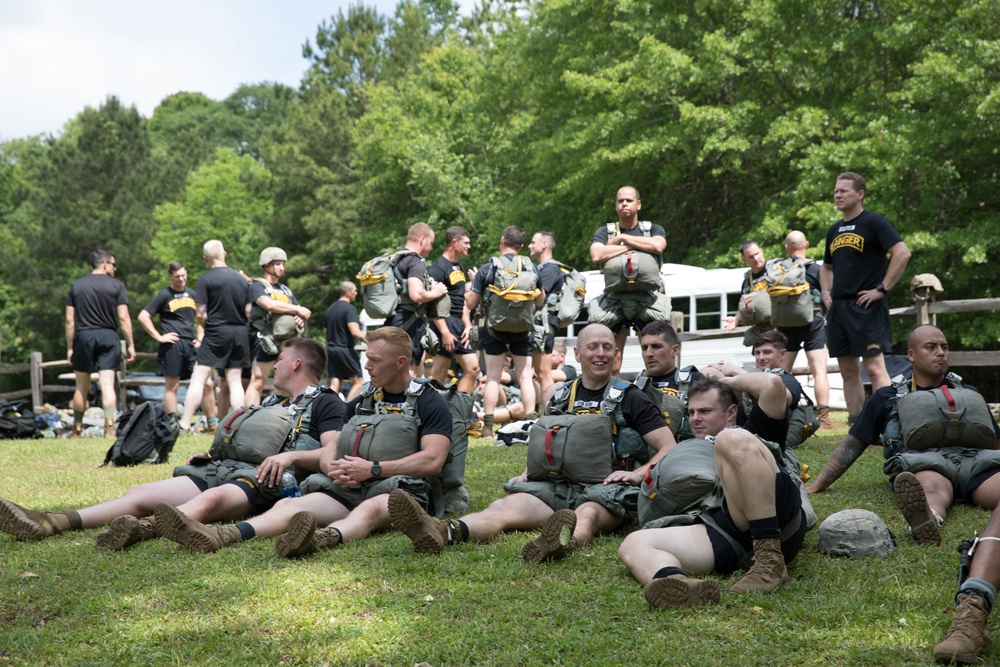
column 855, row 280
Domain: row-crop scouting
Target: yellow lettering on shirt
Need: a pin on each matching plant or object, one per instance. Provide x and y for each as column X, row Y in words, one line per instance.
column 180, row 303
column 852, row 241
column 456, row 277
column 280, row 297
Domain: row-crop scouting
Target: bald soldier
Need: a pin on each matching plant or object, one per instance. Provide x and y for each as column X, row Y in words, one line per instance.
column 930, row 465
column 810, row 337
column 569, row 508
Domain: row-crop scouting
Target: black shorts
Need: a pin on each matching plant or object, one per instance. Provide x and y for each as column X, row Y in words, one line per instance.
column 258, row 501
column 96, row 350
column 175, row 359
column 496, row 343
column 789, row 505
column 456, row 326
column 258, row 353
column 342, row 362
column 977, row 481
column 856, row 331
column 415, row 331
column 543, row 342
column 810, row 337
column 225, row 347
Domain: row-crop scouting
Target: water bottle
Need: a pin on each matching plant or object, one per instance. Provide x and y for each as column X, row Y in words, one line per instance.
column 289, row 485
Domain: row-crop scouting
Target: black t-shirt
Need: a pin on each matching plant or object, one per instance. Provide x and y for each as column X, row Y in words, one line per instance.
column 570, row 372
column 95, row 299
column 639, row 411
column 279, row 292
column 856, row 252
column 878, row 409
column 668, row 383
column 550, row 277
column 329, row 413
column 432, row 408
column 812, row 275
column 176, row 311
column 225, row 293
column 601, row 235
column 753, row 282
column 768, row 428
column 411, row 266
column 338, row 316
column 791, row 384
column 453, row 275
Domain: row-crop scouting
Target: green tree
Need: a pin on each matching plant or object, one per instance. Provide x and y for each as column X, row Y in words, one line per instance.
column 93, row 187
column 228, row 198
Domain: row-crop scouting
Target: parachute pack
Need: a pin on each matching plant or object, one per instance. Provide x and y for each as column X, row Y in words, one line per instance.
column 792, row 299
column 569, row 302
column 510, row 306
column 380, row 284
column 946, row 416
column 632, row 271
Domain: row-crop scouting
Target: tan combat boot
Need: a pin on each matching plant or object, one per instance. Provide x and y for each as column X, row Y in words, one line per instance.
column 768, row 571
column 126, row 530
column 967, row 637
column 823, row 411
column 177, row 526
column 30, row 526
column 428, row 534
column 303, row 537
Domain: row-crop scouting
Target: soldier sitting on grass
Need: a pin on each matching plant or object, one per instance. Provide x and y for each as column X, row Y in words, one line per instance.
column 579, row 481
column 930, row 463
column 762, row 517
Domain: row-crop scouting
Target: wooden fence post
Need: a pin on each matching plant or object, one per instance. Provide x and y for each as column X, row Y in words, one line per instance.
column 36, row 378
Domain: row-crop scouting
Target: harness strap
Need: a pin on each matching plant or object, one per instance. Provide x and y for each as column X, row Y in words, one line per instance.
column 233, row 417
column 357, row 439
column 948, row 397
column 548, row 445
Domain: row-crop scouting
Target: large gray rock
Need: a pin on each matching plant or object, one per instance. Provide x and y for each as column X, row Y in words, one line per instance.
column 855, row 533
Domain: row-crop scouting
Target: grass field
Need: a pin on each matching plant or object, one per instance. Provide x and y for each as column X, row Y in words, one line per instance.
column 65, row 602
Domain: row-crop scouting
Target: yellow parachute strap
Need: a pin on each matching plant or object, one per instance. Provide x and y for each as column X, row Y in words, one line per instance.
column 572, row 395
column 779, row 290
column 511, row 294
column 368, row 278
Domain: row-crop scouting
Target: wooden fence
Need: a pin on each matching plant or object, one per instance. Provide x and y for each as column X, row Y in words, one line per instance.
column 924, row 309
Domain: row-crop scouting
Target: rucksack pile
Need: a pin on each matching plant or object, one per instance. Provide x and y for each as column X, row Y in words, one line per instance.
column 17, row 421
column 145, row 434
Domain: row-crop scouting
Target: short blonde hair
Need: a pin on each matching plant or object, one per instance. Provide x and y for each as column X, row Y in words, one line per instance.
column 394, row 337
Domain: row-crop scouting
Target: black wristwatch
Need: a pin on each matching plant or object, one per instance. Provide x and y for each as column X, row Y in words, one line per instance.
column 881, row 288
column 376, row 469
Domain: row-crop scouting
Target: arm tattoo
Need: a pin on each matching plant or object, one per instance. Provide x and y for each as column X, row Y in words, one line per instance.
column 846, row 453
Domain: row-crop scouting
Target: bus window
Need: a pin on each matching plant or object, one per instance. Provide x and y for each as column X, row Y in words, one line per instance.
column 732, row 302
column 708, row 311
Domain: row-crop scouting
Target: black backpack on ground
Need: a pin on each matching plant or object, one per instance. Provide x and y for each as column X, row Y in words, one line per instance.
column 144, row 435
column 17, row 421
